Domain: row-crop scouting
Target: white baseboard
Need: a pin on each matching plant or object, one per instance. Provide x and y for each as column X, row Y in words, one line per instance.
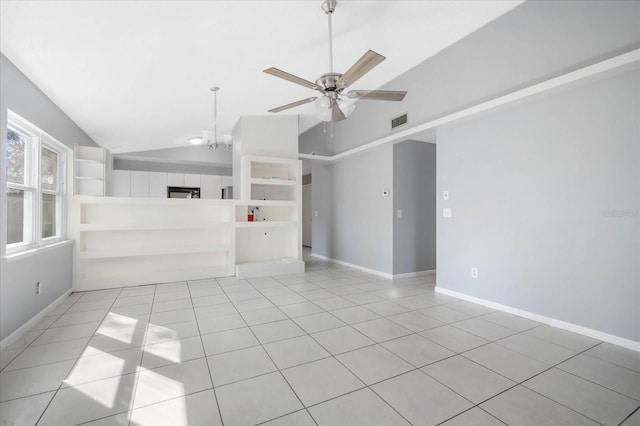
column 351, row 265
column 15, row 336
column 375, row 272
column 429, row 272
column 589, row 332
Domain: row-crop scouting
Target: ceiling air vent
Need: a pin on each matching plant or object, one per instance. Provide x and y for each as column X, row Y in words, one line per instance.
column 398, row 121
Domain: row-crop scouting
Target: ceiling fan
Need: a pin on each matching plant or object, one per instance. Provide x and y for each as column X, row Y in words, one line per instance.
column 332, row 84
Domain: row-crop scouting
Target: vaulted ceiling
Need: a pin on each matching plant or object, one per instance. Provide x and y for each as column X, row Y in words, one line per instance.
column 135, row 75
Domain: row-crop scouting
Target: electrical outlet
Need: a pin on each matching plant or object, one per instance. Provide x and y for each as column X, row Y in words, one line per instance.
column 474, row 272
column 445, row 195
column 446, row 212
column 38, row 287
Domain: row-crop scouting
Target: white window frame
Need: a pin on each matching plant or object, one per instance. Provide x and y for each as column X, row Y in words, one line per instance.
column 39, row 139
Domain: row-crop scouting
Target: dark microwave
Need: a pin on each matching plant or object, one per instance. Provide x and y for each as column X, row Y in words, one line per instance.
column 182, row 192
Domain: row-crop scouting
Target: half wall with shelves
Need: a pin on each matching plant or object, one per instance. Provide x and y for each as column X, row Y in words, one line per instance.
column 130, row 241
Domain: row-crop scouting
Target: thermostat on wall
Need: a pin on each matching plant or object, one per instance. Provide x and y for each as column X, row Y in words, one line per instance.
column 385, row 192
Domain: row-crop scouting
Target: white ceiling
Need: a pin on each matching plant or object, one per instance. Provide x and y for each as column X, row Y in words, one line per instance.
column 135, row 75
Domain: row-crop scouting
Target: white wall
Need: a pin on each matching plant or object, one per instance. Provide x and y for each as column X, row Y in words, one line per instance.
column 534, row 191
column 263, row 135
column 18, row 299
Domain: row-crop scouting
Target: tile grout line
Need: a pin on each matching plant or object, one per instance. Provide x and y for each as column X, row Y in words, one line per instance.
column 204, row 352
column 74, row 364
column 516, row 332
column 269, row 355
column 328, row 289
column 139, row 368
column 346, row 368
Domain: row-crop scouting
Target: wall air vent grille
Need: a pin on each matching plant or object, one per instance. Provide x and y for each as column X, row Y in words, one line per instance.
column 399, row 121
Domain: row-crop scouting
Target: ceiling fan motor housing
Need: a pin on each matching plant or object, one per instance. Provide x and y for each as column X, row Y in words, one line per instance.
column 329, row 82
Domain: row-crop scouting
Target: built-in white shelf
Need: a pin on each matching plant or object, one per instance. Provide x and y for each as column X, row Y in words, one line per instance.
column 267, row 224
column 287, row 265
column 87, row 160
column 99, row 227
column 134, row 241
column 274, row 182
column 271, row 190
column 97, row 254
column 123, row 241
column 90, row 170
column 105, row 280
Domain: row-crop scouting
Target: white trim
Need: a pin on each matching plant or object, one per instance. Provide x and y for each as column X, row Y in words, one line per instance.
column 429, row 272
column 314, row 157
column 351, row 265
column 589, row 332
column 628, row 58
column 15, row 336
column 37, row 250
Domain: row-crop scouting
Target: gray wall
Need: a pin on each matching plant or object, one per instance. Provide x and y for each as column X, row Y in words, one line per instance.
column 322, row 203
column 195, row 159
column 414, row 192
column 19, row 302
column 165, row 167
column 533, row 42
column 354, row 221
column 534, row 191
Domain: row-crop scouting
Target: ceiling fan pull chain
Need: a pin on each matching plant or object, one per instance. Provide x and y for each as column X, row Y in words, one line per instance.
column 215, row 115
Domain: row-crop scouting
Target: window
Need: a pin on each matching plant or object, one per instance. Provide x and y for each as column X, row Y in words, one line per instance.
column 35, row 186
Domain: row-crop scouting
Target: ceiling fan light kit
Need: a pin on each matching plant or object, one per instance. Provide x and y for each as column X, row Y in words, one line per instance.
column 330, row 105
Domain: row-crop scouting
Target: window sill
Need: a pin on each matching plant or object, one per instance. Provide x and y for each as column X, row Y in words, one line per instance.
column 35, row 251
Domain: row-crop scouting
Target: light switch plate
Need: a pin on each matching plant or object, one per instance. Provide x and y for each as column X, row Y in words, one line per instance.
column 399, row 212
column 315, row 213
column 446, row 212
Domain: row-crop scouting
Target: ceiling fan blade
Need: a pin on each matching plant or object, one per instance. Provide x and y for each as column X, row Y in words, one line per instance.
column 377, row 95
column 292, row 78
column 365, row 64
column 293, row 104
column 336, row 113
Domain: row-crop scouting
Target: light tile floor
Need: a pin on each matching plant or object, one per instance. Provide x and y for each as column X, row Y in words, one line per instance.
column 331, row 346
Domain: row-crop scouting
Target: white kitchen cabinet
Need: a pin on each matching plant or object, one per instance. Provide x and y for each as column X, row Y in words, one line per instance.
column 211, row 187
column 157, row 185
column 175, row 179
column 120, row 184
column 192, row 181
column 140, row 184
column 227, row 181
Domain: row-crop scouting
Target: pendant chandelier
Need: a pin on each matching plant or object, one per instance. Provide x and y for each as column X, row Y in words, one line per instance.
column 211, row 137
